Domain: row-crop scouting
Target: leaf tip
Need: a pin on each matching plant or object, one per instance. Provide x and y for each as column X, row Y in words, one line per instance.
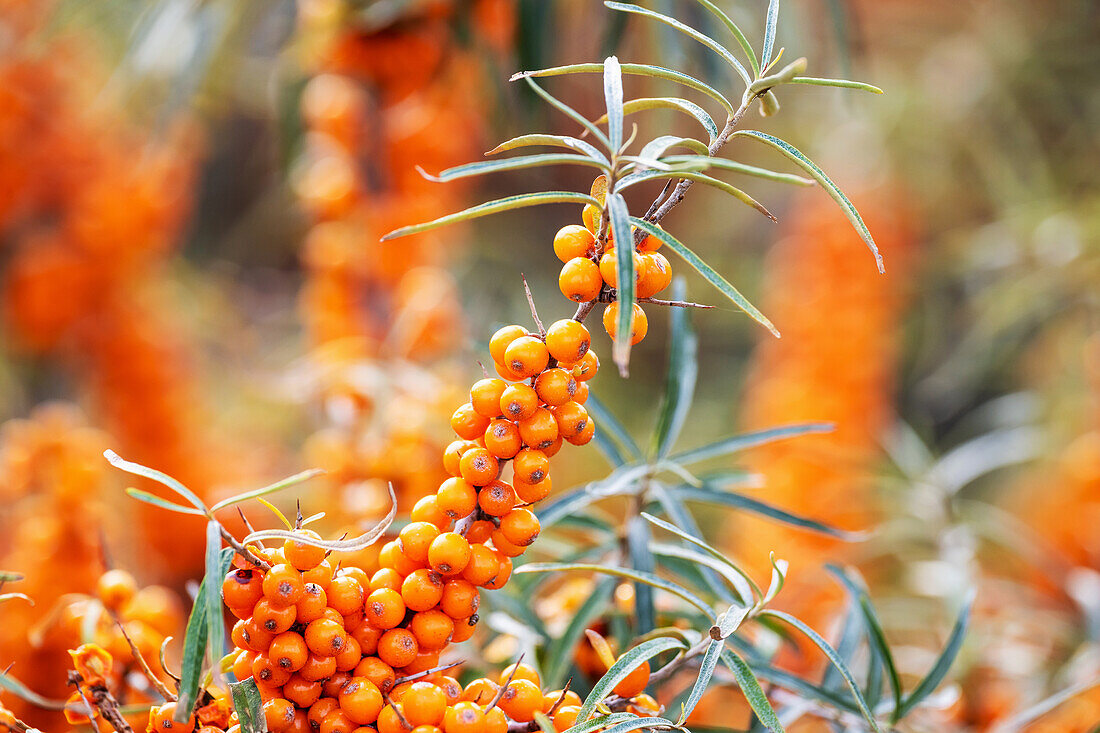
column 519, row 75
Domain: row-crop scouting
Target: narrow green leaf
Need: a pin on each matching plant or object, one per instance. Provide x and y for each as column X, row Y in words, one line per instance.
column 655, row 148
column 674, row 103
column 834, row 658
column 850, row 636
column 761, row 86
column 7, row 576
column 20, row 690
column 734, row 166
column 750, row 440
column 819, row 175
column 559, row 653
column 215, row 619
column 196, row 635
column 249, row 706
column 627, row 663
column 779, row 578
column 711, row 495
column 729, row 621
column 571, row 113
column 509, row 164
column 610, row 424
column 799, row 686
column 635, row 575
column 698, row 542
column 558, row 141
column 638, row 723
column 643, row 176
column 750, row 687
column 707, row 272
column 754, row 64
column 624, row 270
column 613, row 96
column 518, row 201
column 656, row 72
column 5, row 597
column 162, row 503
column 546, row 725
column 683, row 368
column 600, row 722
column 161, row 478
column 687, row 30
column 943, row 664
column 769, row 34
column 354, row 544
column 285, row 483
column 554, row 510
column 664, row 551
column 863, row 86
column 638, row 541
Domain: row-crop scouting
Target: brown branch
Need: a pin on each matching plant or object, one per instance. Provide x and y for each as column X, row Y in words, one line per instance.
column 503, row 688
column 425, row 673
column 674, row 303
column 103, row 701
column 145, row 668
column 243, row 551
column 531, row 302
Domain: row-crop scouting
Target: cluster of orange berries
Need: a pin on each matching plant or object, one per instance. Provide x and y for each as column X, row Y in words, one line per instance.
column 589, row 273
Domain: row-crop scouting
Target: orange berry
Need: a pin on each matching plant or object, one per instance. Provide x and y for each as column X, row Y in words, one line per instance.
column 644, row 706
column 552, row 449
column 313, row 603
column 650, row 244
column 274, row 619
column 345, row 594
column 467, row 423
column 397, row 647
column 480, row 691
column 500, row 340
column 478, row 467
column 390, row 720
column 361, row 700
column 496, row 499
column 464, row 717
column 415, row 538
column 325, row 637
column 464, row 629
column 242, row 665
column 265, row 670
column 452, row 454
column 385, row 608
column 540, row 430
column 635, row 682
column 302, row 692
column 449, row 553
column 421, row 590
column 584, row 436
column 321, row 575
column 451, row 689
column 506, row 546
column 485, row 396
column 425, row 660
column 555, row 386
column 572, row 241
column 639, row 324
column 279, row 714
column 519, row 402
column 386, row 578
column 432, row 629
column 301, row 555
column 283, row 585
column 336, row 722
column 567, row 697
column 460, row 598
column 566, row 717
column 495, row 722
column 115, row 588
column 377, row 671
column 318, row 668
column 162, row 720
column 567, row 340
column 289, row 651
column 255, row 636
column 526, row 356
column 427, row 509
column 483, row 566
column 580, row 280
column 656, row 275
column 531, row 493
column 572, row 419
column 591, row 216
column 424, row 704
column 504, row 572
column 390, row 556
column 531, row 466
column 587, row 367
column 242, row 588
column 368, row 637
column 506, row 372
column 518, row 671
column 479, row 531
column 319, row 710
column 520, row 527
column 609, row 268
column 502, row 438
column 456, row 498
column 581, row 395
column 521, row 700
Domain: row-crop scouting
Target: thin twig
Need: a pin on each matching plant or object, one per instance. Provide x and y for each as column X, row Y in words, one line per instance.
column 531, row 302
column 397, row 711
column 674, row 303
column 425, row 673
column 503, row 688
column 164, row 664
column 145, row 668
column 243, row 551
column 103, row 701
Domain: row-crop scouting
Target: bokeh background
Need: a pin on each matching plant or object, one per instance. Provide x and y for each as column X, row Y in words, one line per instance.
column 191, row 195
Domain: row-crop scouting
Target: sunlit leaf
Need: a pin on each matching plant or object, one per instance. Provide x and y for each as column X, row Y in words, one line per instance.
column 559, row 141
column 509, row 164
column 750, row 687
column 863, row 86
column 743, row 41
column 162, row 503
column 269, row 489
column 354, row 544
column 161, row 478
column 712, row 495
column 624, row 270
column 627, row 663
column 641, row 177
column 819, row 175
column 196, row 635
column 518, row 201
column 656, row 148
column 613, row 97
column 639, row 544
column 248, row 705
column 637, row 724
column 570, row 112
column 751, row 439
column 943, row 663
column 656, row 72
column 734, row 166
column 215, row 618
column 783, row 76
column 729, row 621
column 770, row 26
column 834, row 658
column 677, row 104
column 5, row 597
column 687, row 30
column 600, row 721
column 699, row 542
column 707, row 272
column 635, row 575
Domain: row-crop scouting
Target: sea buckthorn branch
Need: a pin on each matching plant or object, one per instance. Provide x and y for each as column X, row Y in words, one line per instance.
column 101, row 699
